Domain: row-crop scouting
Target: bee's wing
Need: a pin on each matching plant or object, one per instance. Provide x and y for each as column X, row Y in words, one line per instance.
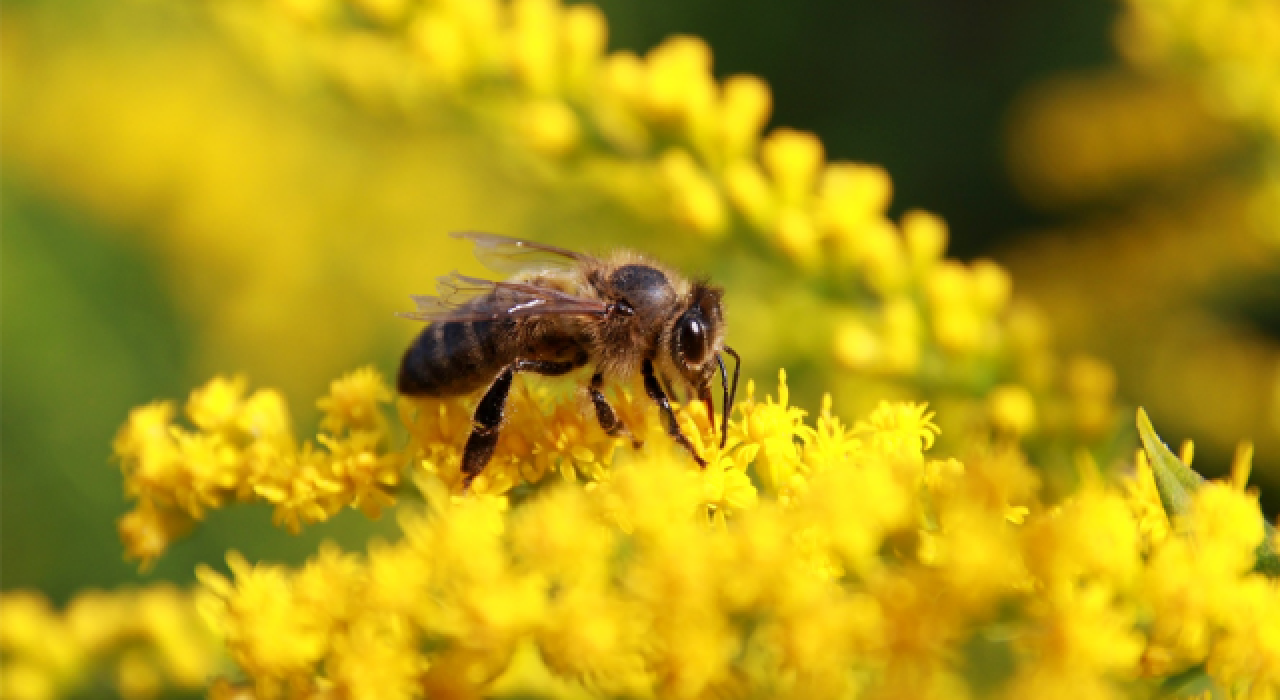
column 511, row 255
column 462, row 298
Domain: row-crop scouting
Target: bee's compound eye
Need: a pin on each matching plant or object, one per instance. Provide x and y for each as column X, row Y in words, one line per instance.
column 691, row 338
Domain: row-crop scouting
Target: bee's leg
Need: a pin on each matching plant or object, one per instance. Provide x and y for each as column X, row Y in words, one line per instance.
column 487, row 420
column 609, row 420
column 654, row 390
column 486, row 426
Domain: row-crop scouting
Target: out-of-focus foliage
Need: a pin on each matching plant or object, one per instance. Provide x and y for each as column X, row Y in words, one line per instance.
column 1166, row 173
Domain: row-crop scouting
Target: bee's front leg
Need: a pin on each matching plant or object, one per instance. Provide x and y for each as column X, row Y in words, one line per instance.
column 654, row 390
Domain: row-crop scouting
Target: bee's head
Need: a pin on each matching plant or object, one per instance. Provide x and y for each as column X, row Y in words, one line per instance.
column 696, row 341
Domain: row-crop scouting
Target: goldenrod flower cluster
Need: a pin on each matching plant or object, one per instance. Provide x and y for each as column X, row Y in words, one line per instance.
column 1203, row 88
column 1230, row 54
column 242, row 448
column 135, row 642
column 657, row 125
column 1166, row 170
column 810, row 559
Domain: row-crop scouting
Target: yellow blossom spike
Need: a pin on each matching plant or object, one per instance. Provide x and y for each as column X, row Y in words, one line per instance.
column 142, row 641
column 857, row 346
column 244, row 451
column 902, row 425
column 1241, row 464
column 794, row 159
column 585, row 35
column 535, row 36
column 852, row 549
column 679, row 86
column 696, row 200
column 1187, row 451
column 551, row 127
column 797, row 236
column 852, row 198
column 1144, row 498
column 744, row 112
column 441, row 45
column 992, row 286
column 213, row 406
column 1012, row 409
column 926, row 238
column 354, row 401
column 749, row 191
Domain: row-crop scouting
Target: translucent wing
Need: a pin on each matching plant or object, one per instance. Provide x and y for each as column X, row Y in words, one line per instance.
column 511, row 255
column 462, row 298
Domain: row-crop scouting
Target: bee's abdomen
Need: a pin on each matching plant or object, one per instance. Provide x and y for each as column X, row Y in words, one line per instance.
column 452, row 357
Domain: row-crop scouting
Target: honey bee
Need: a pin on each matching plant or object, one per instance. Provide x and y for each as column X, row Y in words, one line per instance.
column 558, row 311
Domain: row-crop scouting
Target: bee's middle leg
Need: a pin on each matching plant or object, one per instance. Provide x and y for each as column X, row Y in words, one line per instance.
column 609, row 421
column 654, row 390
column 487, row 420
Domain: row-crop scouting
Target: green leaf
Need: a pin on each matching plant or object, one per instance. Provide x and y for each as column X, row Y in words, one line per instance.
column 1191, row 683
column 1176, row 482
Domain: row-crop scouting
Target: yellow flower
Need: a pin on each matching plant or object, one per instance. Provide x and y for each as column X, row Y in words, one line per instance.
column 1248, row 653
column 884, row 504
column 377, row 658
column 353, row 402
column 600, row 638
column 831, row 443
column 1091, row 535
column 1012, row 410
column 775, row 427
column 900, row 428
column 866, row 572
column 563, row 537
column 1227, row 525
column 269, row 631
column 245, row 449
column 368, row 476
column 214, row 407
column 976, row 552
column 144, row 641
column 147, row 531
column 1084, row 640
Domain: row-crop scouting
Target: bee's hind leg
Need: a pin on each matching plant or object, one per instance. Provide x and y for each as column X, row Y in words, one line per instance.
column 487, row 420
column 609, row 421
column 654, row 390
column 487, row 425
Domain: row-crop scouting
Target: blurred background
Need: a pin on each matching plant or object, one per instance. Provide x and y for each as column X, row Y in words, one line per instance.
column 180, row 197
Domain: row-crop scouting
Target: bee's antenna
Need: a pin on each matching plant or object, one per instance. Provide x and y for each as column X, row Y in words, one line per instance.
column 729, row 394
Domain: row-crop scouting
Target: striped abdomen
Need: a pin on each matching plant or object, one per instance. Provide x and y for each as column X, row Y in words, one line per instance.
column 454, row 357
